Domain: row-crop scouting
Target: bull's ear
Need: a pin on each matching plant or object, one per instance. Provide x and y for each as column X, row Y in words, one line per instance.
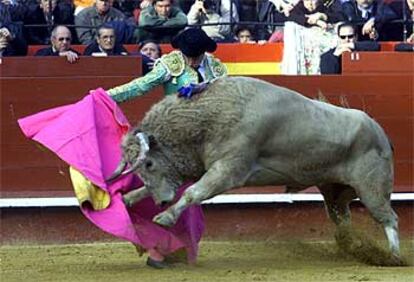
column 152, row 141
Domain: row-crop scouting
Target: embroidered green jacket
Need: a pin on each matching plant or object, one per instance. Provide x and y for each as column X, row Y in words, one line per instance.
column 171, row 71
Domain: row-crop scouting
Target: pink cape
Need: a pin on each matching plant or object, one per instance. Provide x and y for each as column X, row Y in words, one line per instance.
column 87, row 135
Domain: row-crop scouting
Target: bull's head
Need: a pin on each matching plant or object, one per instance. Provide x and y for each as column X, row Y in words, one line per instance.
column 147, row 157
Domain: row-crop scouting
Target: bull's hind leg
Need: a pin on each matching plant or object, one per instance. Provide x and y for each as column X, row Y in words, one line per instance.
column 374, row 191
column 379, row 206
column 337, row 198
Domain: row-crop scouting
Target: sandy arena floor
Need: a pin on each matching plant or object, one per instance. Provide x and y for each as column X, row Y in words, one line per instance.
column 218, row 261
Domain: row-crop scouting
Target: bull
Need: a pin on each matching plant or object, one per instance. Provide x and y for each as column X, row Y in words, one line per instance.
column 243, row 131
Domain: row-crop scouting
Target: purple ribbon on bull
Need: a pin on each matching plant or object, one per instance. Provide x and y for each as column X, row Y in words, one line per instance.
column 188, row 91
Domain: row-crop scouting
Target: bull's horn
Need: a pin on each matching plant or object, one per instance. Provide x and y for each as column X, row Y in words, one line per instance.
column 118, row 171
column 144, row 146
column 132, row 168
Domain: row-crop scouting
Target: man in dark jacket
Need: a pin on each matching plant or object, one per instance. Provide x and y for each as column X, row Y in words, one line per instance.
column 49, row 13
column 60, row 45
column 105, row 44
column 401, row 31
column 92, row 17
column 161, row 21
column 12, row 42
column 347, row 42
column 370, row 15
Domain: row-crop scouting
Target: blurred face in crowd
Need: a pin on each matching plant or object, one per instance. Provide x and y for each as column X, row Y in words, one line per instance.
column 106, row 39
column 102, row 6
column 48, row 6
column 244, row 36
column 364, row 3
column 61, row 39
column 163, row 8
column 151, row 50
column 346, row 34
column 310, row 5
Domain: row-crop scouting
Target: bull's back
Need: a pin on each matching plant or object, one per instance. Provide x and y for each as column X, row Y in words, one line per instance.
column 284, row 122
column 276, row 118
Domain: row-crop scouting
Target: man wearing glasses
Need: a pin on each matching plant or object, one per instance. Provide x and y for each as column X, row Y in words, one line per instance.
column 60, row 39
column 90, row 18
column 105, row 43
column 347, row 42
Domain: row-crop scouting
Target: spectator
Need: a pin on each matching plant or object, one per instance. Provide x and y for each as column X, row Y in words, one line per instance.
column 5, row 15
column 244, row 35
column 124, row 31
column 161, row 21
column 82, row 4
column 310, row 13
column 247, row 10
column 90, row 18
column 334, row 10
column 404, row 47
column 105, row 44
column 15, row 10
column 145, row 3
column 151, row 49
column 184, row 5
column 408, row 28
column 60, row 39
column 221, row 7
column 11, row 44
column 347, row 42
column 369, row 15
column 46, row 12
column 403, row 10
column 272, row 11
column 203, row 12
column 128, row 7
column 150, row 52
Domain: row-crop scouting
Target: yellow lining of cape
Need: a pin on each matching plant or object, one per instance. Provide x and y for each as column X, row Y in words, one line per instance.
column 86, row 191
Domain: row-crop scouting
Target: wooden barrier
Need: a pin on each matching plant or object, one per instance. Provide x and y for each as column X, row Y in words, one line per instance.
column 255, row 59
column 29, row 85
column 389, row 63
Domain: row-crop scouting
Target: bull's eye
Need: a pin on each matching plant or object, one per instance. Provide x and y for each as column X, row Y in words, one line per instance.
column 148, row 164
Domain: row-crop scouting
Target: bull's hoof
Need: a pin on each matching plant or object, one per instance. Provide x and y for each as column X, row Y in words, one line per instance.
column 157, row 264
column 397, row 260
column 164, row 219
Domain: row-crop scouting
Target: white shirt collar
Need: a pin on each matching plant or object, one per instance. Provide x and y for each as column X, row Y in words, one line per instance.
column 364, row 11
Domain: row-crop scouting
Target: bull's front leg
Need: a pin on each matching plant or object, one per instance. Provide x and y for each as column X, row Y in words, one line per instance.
column 135, row 196
column 218, row 179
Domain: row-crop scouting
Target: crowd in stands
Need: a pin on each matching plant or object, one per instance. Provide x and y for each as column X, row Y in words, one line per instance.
column 105, row 25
